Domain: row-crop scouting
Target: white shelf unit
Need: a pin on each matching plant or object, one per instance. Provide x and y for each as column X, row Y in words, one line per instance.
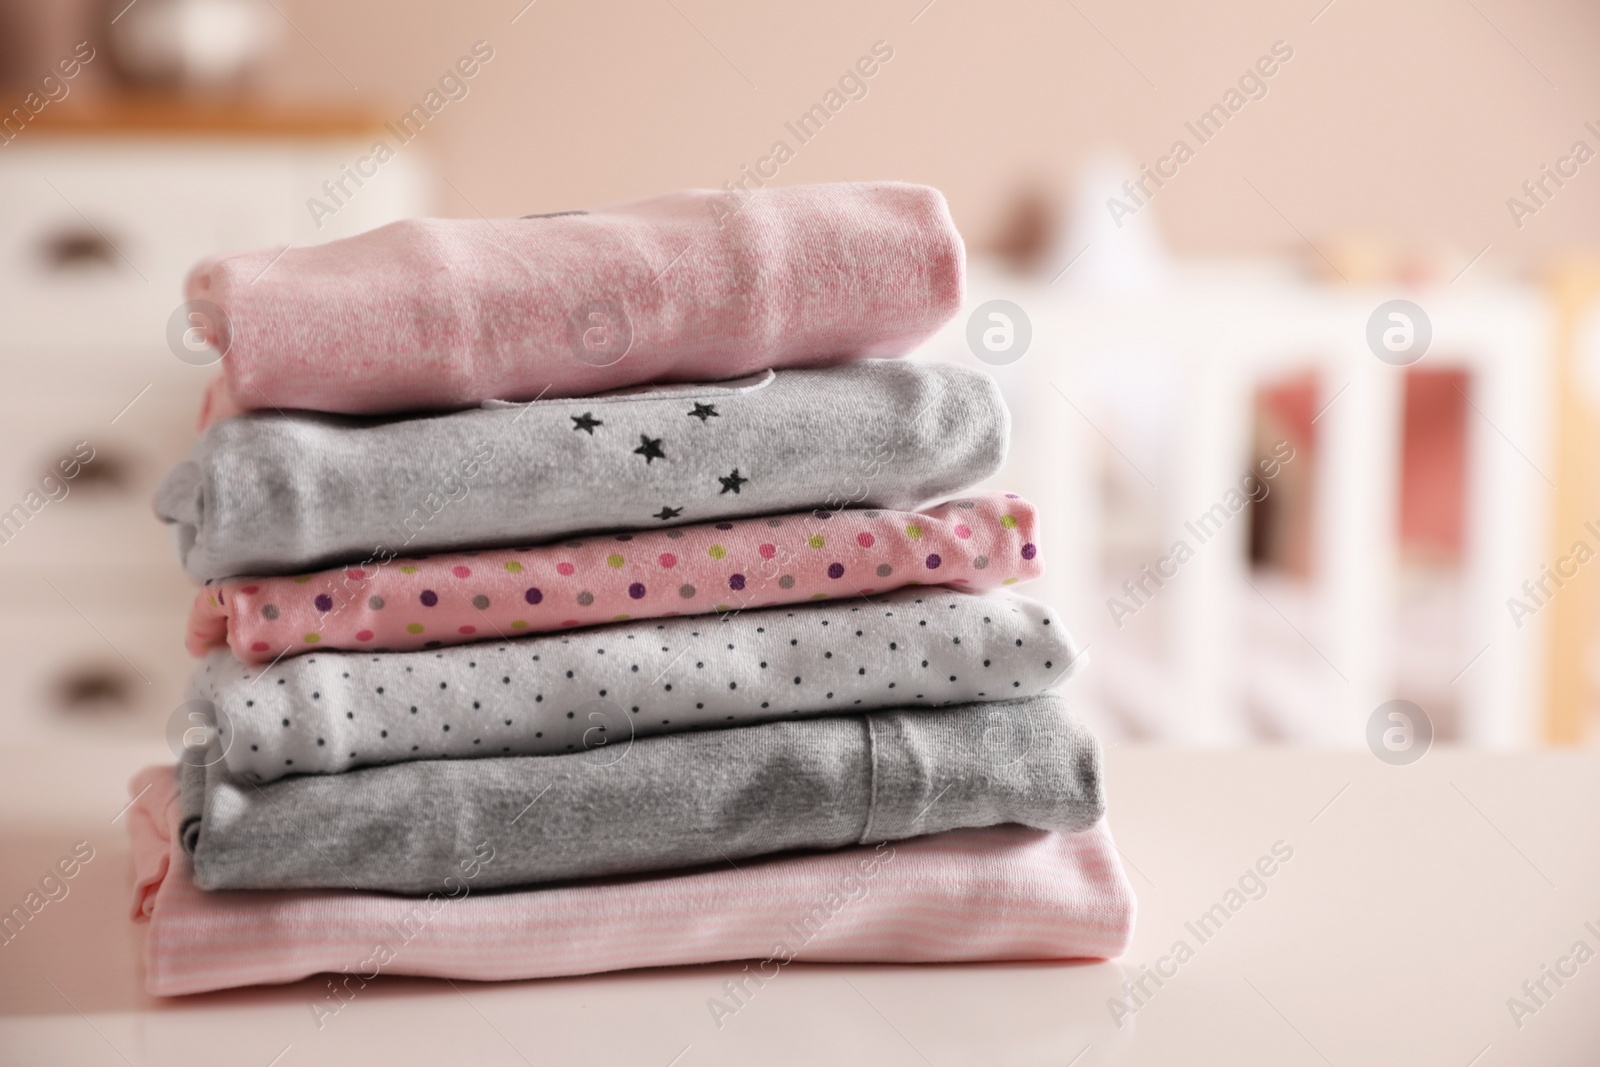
column 1204, row 341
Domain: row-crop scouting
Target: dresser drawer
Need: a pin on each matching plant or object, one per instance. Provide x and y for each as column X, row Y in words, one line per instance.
column 96, row 674
column 96, row 235
column 102, row 516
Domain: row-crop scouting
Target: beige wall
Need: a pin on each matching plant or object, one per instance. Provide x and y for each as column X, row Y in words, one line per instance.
column 1418, row 119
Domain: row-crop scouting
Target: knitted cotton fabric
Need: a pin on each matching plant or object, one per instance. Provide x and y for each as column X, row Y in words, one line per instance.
column 982, row 542
column 690, row 286
column 657, row 803
column 921, row 647
column 1000, row 893
column 281, row 493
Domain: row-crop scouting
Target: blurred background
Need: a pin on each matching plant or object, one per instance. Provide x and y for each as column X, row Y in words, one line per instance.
column 1295, row 305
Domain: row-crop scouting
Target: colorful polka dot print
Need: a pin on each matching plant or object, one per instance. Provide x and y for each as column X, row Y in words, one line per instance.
column 976, row 543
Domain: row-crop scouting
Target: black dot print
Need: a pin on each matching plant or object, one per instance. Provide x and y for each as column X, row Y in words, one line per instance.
column 738, row 674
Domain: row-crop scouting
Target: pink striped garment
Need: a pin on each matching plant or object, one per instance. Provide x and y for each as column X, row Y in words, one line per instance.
column 1002, row 893
column 405, row 604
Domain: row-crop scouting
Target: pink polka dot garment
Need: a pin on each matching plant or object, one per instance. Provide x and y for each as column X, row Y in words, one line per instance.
column 976, row 543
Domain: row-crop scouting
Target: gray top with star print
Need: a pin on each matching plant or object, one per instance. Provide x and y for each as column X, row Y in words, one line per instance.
column 280, row 493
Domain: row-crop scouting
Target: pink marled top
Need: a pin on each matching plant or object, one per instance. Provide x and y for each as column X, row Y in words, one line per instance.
column 692, row 286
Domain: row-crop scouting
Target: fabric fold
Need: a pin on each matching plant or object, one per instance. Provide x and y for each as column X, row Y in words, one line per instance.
column 1002, row 893
column 923, row 647
column 694, row 285
column 399, row 605
column 278, row 493
column 655, row 803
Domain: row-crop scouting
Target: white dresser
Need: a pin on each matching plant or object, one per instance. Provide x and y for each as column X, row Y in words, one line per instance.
column 101, row 214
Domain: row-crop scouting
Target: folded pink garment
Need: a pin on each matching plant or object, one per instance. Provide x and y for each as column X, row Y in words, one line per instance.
column 1002, row 893
column 691, row 286
column 405, row 604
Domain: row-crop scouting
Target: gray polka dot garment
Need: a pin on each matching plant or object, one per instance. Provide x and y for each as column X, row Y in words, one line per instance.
column 558, row 693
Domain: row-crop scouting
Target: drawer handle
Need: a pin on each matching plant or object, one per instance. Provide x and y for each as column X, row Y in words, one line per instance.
column 108, row 471
column 94, row 687
column 71, row 250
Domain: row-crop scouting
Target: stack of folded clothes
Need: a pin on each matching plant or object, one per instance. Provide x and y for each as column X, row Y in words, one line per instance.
column 654, row 656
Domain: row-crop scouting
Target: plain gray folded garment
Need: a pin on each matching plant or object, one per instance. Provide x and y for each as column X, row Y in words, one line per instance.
column 281, row 493
column 555, row 693
column 657, row 803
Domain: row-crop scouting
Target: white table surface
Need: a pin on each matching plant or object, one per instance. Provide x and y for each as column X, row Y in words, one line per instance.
column 1418, row 900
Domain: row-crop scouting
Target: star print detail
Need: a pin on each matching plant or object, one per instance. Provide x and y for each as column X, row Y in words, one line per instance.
column 667, row 513
column 732, row 481
column 704, row 412
column 585, row 422
column 649, row 448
